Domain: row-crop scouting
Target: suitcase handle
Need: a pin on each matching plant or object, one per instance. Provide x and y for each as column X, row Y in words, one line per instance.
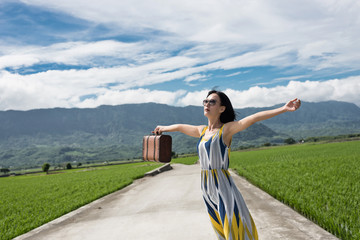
column 154, row 133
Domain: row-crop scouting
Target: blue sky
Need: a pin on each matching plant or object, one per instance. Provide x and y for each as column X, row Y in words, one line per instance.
column 80, row 53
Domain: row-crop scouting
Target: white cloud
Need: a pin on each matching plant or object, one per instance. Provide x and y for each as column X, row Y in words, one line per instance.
column 71, row 84
column 47, row 90
column 311, row 91
column 203, row 35
column 282, row 79
column 316, row 34
column 23, row 93
column 70, row 53
column 195, row 77
column 237, row 73
column 261, row 57
column 193, row 98
column 55, row 88
column 121, row 76
column 309, row 28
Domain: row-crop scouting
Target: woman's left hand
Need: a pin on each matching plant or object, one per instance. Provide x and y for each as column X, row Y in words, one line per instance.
column 292, row 105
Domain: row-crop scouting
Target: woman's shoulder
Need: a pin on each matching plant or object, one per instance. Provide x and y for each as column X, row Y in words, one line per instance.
column 228, row 131
column 229, row 125
column 202, row 126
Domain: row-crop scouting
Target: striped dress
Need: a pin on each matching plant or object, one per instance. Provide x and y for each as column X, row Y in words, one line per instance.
column 228, row 212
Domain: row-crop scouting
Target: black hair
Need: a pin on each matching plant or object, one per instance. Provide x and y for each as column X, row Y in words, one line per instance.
column 229, row 114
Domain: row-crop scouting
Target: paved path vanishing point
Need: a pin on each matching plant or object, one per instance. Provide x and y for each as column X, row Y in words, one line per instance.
column 169, row 206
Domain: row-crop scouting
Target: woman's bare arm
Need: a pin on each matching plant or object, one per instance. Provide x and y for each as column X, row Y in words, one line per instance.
column 237, row 126
column 191, row 130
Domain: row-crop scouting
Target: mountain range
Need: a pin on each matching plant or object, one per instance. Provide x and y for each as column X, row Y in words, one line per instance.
column 29, row 138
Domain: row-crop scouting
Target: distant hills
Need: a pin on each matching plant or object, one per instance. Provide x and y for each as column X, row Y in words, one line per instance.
column 30, row 138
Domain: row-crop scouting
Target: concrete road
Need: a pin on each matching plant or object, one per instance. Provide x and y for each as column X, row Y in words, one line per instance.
column 169, row 206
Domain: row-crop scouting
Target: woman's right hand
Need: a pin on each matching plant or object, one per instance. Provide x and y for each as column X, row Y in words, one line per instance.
column 159, row 130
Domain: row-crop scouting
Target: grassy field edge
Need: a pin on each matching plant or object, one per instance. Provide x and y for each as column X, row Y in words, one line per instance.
column 320, row 181
column 30, row 201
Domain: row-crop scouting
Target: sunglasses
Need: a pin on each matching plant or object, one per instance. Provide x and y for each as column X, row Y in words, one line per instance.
column 212, row 102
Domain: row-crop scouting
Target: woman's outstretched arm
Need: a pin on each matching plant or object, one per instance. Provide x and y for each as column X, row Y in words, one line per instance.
column 191, row 130
column 237, row 126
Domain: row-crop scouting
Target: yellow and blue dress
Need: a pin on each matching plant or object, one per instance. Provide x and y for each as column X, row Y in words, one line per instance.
column 228, row 212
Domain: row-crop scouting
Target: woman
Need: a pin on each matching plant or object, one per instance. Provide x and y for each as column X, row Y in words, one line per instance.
column 228, row 212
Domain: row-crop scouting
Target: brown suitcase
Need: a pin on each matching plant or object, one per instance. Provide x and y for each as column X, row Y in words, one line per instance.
column 157, row 148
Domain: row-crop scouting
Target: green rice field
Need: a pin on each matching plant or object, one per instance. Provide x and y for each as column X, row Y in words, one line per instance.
column 27, row 202
column 321, row 181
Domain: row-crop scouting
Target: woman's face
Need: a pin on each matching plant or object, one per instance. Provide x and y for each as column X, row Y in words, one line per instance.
column 212, row 106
